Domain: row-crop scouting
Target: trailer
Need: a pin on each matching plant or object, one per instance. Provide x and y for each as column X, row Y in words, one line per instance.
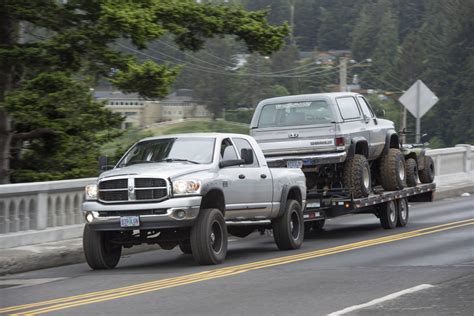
column 391, row 207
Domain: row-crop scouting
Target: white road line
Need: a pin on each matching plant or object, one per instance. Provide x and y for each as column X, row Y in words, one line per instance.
column 382, row 299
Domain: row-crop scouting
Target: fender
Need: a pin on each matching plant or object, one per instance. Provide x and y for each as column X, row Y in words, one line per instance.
column 387, row 146
column 354, row 142
column 420, row 159
column 284, row 198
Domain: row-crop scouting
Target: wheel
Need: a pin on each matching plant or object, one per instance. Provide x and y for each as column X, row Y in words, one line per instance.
column 185, row 246
column 288, row 229
column 209, row 237
column 428, row 173
column 411, row 171
column 392, row 170
column 99, row 251
column 402, row 211
column 388, row 215
column 357, row 176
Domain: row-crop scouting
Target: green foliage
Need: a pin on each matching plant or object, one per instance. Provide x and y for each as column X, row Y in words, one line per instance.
column 239, row 115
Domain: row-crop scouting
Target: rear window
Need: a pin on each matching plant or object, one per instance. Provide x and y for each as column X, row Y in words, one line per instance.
column 295, row 114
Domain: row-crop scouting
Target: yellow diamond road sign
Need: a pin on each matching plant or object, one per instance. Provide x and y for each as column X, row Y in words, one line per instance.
column 418, row 99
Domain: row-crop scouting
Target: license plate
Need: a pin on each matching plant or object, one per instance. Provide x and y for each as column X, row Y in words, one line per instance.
column 129, row 221
column 294, row 164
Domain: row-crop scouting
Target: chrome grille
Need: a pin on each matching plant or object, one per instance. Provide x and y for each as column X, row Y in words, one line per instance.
column 150, row 194
column 133, row 189
column 121, row 195
column 113, row 184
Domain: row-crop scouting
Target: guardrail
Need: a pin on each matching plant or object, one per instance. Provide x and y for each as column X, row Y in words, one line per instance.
column 32, row 209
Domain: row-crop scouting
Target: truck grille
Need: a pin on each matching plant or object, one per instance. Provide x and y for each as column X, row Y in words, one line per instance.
column 134, row 189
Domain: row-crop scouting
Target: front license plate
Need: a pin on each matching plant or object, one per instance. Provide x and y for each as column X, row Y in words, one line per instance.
column 294, row 164
column 129, row 221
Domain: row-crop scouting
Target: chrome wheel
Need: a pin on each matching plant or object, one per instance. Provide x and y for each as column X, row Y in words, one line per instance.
column 401, row 170
column 366, row 178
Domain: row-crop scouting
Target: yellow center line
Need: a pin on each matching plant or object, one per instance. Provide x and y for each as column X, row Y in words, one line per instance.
column 106, row 295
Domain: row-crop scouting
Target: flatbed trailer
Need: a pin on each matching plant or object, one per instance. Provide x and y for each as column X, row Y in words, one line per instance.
column 390, row 206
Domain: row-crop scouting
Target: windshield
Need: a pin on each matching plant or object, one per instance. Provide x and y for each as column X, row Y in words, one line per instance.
column 295, row 113
column 191, row 150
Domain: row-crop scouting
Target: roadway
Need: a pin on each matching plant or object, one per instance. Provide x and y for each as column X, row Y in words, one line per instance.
column 352, row 262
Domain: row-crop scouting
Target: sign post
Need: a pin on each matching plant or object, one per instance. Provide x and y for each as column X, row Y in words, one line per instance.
column 418, row 99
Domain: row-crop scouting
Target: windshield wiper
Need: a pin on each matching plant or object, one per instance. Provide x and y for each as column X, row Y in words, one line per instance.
column 178, row 159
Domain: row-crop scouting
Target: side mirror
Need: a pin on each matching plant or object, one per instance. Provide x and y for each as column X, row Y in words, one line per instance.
column 247, row 156
column 231, row 163
column 103, row 164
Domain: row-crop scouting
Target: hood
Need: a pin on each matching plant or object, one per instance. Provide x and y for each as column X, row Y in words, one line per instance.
column 156, row 170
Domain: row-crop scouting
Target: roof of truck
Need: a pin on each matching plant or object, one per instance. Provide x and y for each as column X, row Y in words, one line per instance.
column 210, row 134
column 303, row 97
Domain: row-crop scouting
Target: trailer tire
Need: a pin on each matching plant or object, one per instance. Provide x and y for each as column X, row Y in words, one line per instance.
column 185, row 246
column 392, row 170
column 100, row 253
column 411, row 170
column 388, row 215
column 357, row 176
column 209, row 237
column 402, row 210
column 288, row 229
column 428, row 173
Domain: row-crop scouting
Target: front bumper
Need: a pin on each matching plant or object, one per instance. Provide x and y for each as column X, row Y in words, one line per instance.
column 310, row 159
column 107, row 216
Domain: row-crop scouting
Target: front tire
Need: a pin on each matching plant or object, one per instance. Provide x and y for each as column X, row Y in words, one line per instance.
column 357, row 176
column 411, row 170
column 209, row 237
column 288, row 229
column 99, row 250
column 428, row 173
column 402, row 210
column 388, row 215
column 392, row 170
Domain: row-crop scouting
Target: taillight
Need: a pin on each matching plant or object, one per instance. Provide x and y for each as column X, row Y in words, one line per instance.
column 340, row 141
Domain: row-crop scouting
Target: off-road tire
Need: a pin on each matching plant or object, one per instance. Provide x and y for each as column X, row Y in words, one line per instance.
column 402, row 211
column 388, row 215
column 288, row 229
column 392, row 178
column 411, row 172
column 428, row 173
column 209, row 237
column 185, row 246
column 354, row 177
column 100, row 253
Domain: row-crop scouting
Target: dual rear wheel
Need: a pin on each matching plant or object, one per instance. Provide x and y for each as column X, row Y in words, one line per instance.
column 394, row 213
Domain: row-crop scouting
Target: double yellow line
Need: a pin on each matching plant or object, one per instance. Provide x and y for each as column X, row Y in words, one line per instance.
column 107, row 295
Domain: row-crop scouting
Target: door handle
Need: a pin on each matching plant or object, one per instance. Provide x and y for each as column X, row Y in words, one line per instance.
column 263, row 176
column 241, row 176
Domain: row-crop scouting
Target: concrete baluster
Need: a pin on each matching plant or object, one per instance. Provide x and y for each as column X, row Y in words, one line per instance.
column 42, row 214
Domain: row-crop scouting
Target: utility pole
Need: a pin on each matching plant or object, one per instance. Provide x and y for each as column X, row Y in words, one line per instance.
column 292, row 22
column 343, row 74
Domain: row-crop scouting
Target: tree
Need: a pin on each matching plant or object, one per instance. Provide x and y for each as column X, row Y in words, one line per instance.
column 80, row 38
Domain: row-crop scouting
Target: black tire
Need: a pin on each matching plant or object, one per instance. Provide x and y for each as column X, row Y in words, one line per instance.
column 428, row 173
column 185, row 246
column 100, row 253
column 388, row 215
column 392, row 170
column 288, row 229
column 411, row 171
column 209, row 237
column 357, row 176
column 402, row 211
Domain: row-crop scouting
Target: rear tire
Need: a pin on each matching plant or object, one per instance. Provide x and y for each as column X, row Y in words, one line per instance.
column 388, row 215
column 402, row 210
column 209, row 237
column 288, row 229
column 411, row 170
column 428, row 173
column 99, row 251
column 392, row 170
column 357, row 176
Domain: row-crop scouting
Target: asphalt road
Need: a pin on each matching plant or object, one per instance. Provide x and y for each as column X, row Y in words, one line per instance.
column 352, row 262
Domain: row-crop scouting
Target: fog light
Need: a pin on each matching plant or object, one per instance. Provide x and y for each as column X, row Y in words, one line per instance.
column 89, row 217
column 180, row 214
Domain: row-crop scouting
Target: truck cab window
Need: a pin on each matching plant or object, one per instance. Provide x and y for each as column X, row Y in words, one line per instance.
column 228, row 151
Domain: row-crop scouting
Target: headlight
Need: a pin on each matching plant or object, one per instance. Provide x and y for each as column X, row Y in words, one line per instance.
column 91, row 192
column 182, row 187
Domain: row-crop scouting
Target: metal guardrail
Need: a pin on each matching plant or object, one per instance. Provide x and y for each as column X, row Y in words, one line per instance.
column 33, row 207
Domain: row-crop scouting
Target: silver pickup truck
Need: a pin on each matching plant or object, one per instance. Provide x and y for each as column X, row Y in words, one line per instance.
column 335, row 138
column 191, row 190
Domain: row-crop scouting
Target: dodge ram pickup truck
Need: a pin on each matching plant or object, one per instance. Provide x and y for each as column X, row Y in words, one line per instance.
column 191, row 190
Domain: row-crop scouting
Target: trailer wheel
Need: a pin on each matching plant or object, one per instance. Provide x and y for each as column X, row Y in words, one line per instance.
column 411, row 170
column 99, row 251
column 288, row 229
column 428, row 173
column 402, row 210
column 357, row 176
column 209, row 237
column 392, row 170
column 185, row 246
column 388, row 215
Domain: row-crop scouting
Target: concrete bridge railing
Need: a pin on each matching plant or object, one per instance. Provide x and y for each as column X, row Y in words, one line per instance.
column 50, row 211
